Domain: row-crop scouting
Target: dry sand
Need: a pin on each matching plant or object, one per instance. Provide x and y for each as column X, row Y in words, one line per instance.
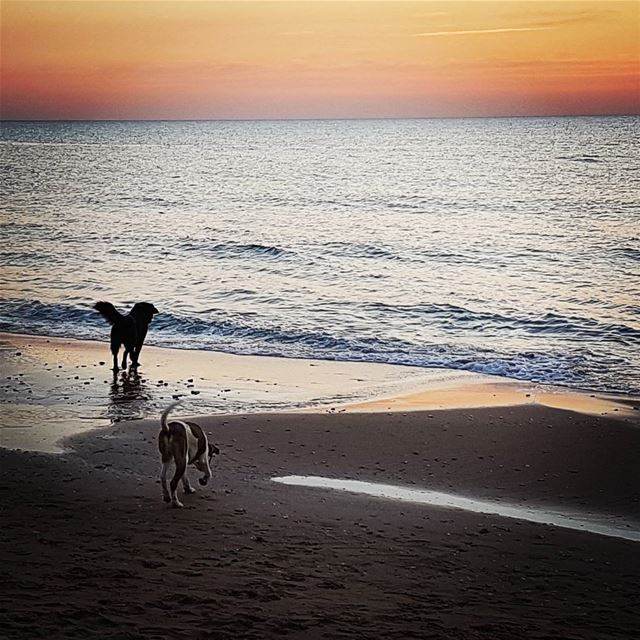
column 484, row 393
column 90, row 550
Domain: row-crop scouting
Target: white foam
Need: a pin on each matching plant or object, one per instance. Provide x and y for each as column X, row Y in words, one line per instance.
column 599, row 524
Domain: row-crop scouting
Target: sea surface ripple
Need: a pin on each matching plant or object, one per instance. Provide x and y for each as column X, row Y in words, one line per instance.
column 505, row 246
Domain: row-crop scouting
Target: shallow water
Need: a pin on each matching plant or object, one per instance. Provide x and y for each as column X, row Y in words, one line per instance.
column 503, row 246
column 592, row 523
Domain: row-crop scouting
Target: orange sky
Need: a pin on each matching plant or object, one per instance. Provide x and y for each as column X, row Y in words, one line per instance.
column 183, row 59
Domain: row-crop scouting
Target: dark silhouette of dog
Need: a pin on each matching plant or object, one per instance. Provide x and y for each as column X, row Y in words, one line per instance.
column 129, row 330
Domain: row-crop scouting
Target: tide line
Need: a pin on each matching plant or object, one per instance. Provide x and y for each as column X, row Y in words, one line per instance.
column 600, row 525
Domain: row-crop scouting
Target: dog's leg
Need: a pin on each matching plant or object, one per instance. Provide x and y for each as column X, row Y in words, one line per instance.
column 114, row 351
column 207, row 472
column 163, row 481
column 186, row 485
column 129, row 350
column 142, row 334
column 115, row 347
column 181, row 467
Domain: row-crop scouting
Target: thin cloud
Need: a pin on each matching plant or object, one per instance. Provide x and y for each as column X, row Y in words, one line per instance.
column 434, row 34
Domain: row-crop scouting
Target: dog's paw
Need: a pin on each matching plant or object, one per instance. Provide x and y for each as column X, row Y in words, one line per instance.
column 166, row 498
column 189, row 490
column 176, row 504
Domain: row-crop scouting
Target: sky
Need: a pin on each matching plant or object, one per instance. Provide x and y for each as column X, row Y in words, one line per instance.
column 302, row 59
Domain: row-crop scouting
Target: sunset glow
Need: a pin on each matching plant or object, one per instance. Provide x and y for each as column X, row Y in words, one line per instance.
column 189, row 60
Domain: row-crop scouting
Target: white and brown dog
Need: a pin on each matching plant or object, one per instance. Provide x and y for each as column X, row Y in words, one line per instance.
column 185, row 443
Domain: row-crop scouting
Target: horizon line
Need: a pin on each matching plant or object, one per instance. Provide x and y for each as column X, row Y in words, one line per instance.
column 328, row 119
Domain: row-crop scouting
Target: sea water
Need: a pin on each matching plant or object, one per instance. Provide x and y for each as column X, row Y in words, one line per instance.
column 507, row 246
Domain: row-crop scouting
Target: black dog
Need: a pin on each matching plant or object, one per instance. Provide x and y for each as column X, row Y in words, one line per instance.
column 129, row 330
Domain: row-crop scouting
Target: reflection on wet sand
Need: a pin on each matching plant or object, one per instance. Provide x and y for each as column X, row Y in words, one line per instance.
column 129, row 397
column 605, row 525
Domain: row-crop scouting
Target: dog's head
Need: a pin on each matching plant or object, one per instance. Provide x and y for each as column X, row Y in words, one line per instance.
column 213, row 449
column 144, row 310
column 200, row 465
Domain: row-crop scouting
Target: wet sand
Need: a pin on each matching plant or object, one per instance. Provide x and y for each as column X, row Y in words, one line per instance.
column 90, row 550
column 52, row 388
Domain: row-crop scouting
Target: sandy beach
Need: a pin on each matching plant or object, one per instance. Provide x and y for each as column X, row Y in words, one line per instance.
column 385, row 255
column 91, row 551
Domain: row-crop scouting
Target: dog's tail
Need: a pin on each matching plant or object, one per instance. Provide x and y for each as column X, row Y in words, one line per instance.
column 165, row 414
column 108, row 311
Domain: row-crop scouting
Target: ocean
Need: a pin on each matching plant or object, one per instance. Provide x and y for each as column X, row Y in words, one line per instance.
column 506, row 246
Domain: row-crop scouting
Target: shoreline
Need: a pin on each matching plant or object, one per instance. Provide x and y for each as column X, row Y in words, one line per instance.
column 56, row 387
